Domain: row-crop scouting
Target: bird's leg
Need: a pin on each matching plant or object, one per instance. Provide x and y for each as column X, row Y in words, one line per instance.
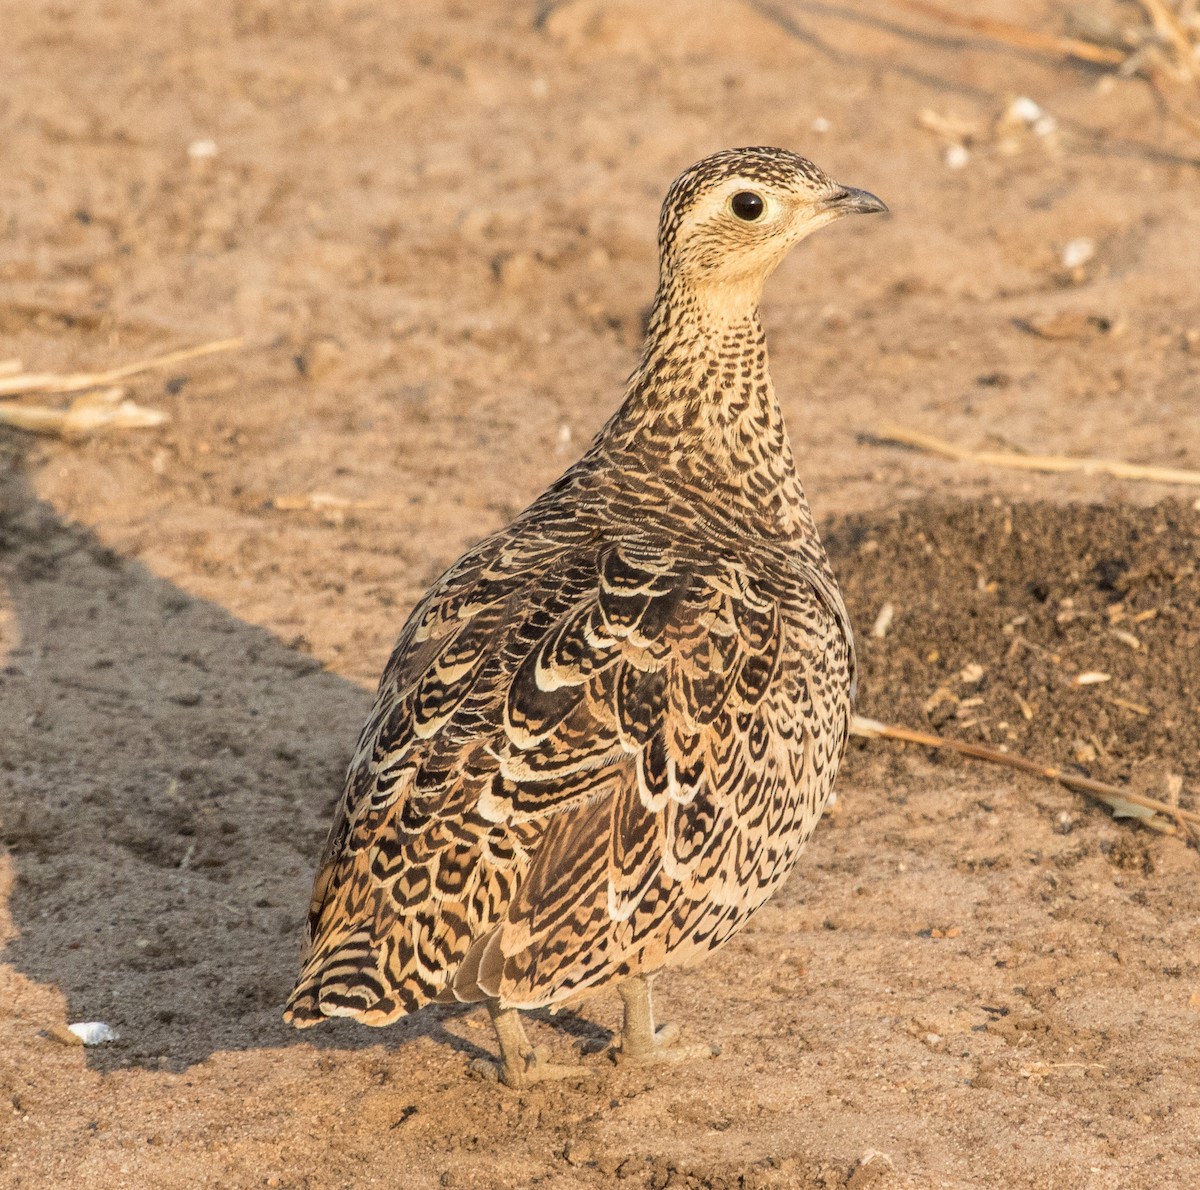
column 521, row 1064
column 641, row 1041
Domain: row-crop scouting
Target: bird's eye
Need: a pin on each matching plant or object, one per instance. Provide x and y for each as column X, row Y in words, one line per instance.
column 745, row 204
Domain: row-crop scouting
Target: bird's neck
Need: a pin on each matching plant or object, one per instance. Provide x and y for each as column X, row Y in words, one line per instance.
column 700, row 411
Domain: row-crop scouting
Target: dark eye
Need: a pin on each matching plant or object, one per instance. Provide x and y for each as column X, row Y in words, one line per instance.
column 746, row 205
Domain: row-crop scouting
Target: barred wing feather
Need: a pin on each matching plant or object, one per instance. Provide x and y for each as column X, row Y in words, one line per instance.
column 585, row 760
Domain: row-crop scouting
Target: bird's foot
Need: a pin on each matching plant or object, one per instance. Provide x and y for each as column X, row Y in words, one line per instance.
column 644, row 1044
column 521, row 1065
column 524, row 1070
column 663, row 1048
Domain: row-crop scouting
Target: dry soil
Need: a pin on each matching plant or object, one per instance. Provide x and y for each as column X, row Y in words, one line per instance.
column 434, row 226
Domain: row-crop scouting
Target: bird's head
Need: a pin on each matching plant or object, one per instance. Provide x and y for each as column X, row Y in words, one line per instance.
column 731, row 218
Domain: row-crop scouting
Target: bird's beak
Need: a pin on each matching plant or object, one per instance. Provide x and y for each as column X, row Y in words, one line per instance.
column 848, row 201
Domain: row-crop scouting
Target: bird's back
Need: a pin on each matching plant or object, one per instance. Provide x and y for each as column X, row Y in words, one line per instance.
column 598, row 747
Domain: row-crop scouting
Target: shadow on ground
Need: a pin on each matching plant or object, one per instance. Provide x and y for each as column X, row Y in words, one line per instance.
column 166, row 775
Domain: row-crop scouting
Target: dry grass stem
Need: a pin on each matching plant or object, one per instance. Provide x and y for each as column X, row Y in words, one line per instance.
column 1167, row 26
column 108, row 409
column 1126, row 705
column 1160, row 816
column 1017, row 35
column 1164, row 51
column 73, row 382
column 1059, row 464
column 323, row 502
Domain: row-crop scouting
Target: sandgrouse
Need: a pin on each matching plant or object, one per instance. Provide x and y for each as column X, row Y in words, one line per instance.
column 607, row 732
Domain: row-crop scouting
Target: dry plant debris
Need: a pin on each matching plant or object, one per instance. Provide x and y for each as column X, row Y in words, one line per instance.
column 1165, row 817
column 1085, row 49
column 1001, row 637
column 322, row 502
column 84, row 1033
column 14, row 380
column 1050, row 463
column 1023, row 122
column 1158, row 40
column 107, row 409
column 102, row 405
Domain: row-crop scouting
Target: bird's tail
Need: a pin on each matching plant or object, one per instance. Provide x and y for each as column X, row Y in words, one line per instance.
column 372, row 983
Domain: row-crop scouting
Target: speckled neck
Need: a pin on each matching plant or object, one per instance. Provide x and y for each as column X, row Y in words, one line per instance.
column 700, row 410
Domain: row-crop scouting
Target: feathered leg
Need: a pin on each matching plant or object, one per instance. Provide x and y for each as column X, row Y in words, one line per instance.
column 641, row 1042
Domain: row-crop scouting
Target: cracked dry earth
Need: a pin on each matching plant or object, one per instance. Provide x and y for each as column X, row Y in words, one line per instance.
column 434, row 227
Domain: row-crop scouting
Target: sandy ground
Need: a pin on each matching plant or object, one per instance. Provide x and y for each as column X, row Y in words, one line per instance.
column 433, row 224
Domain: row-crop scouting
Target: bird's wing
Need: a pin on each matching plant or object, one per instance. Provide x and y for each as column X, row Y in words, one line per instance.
column 734, row 739
column 566, row 736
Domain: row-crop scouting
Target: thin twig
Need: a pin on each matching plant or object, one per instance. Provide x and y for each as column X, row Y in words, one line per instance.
column 1173, row 106
column 1016, row 35
column 1121, row 801
column 1053, row 463
column 1166, row 25
column 73, row 382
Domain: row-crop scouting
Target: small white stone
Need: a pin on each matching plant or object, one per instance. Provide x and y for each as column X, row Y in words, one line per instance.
column 1078, row 252
column 957, row 157
column 883, row 621
column 93, row 1032
column 1045, row 126
column 1023, row 108
column 820, row 124
column 202, row 150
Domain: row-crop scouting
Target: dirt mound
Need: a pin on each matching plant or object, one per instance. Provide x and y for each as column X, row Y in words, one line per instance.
column 1067, row 633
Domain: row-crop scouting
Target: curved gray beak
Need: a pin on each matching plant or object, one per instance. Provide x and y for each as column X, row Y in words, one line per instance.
column 848, row 201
